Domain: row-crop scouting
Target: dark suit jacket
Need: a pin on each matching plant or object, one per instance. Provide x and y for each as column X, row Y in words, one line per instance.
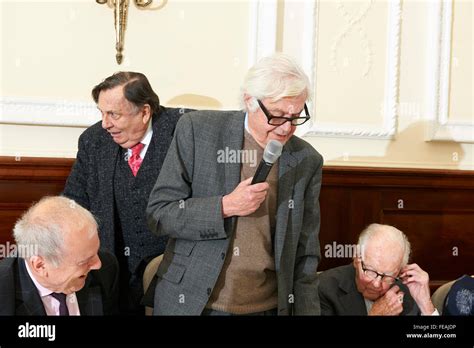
column 92, row 178
column 339, row 295
column 19, row 296
column 199, row 235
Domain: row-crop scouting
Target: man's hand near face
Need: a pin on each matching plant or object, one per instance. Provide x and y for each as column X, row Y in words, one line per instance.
column 389, row 304
column 417, row 282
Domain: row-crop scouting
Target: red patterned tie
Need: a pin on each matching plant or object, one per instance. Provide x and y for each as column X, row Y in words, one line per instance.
column 135, row 160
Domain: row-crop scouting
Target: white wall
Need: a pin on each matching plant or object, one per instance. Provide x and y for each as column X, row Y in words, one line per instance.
column 361, row 59
column 382, row 96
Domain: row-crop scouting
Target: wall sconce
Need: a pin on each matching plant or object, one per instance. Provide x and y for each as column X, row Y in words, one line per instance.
column 120, row 20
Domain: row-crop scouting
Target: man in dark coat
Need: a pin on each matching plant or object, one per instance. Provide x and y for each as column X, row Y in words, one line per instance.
column 117, row 164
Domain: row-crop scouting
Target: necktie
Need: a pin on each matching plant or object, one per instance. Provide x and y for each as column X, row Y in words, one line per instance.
column 135, row 160
column 63, row 310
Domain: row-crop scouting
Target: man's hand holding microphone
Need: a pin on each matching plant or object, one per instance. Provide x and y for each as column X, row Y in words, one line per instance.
column 250, row 193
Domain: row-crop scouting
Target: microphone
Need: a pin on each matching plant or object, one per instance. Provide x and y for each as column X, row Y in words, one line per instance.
column 270, row 155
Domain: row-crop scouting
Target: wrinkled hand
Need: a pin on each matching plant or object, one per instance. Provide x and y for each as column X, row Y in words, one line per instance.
column 389, row 304
column 245, row 199
column 417, row 282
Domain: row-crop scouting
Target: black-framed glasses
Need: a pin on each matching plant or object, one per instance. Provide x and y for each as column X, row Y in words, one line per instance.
column 279, row 120
column 372, row 275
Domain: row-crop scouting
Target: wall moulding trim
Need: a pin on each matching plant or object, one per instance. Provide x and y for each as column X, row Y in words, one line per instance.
column 389, row 109
column 438, row 78
column 67, row 113
column 47, row 112
column 262, row 29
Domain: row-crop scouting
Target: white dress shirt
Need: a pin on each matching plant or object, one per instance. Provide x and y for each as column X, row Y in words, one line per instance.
column 369, row 304
column 145, row 141
column 51, row 305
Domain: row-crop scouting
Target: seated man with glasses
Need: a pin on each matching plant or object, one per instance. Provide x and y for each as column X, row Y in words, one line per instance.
column 237, row 248
column 379, row 281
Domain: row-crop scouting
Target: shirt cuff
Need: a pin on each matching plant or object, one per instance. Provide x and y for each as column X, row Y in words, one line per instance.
column 435, row 313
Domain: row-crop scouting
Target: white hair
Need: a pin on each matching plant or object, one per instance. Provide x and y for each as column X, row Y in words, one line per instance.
column 389, row 233
column 275, row 77
column 41, row 230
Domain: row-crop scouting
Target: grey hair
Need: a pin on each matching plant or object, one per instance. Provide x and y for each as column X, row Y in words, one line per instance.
column 389, row 233
column 41, row 230
column 275, row 77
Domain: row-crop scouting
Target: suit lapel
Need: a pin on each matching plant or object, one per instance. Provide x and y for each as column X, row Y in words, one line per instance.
column 154, row 155
column 89, row 299
column 108, row 155
column 353, row 301
column 286, row 180
column 233, row 140
column 27, row 294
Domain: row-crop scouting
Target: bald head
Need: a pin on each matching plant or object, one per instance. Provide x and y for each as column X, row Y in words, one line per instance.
column 384, row 242
column 45, row 227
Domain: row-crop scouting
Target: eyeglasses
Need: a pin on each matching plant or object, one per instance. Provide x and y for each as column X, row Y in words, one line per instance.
column 372, row 275
column 278, row 121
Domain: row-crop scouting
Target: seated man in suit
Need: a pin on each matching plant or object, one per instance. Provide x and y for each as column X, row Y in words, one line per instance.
column 117, row 164
column 379, row 281
column 59, row 271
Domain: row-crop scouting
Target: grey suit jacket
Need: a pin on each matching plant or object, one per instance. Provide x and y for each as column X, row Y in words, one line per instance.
column 19, row 296
column 185, row 204
column 339, row 295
